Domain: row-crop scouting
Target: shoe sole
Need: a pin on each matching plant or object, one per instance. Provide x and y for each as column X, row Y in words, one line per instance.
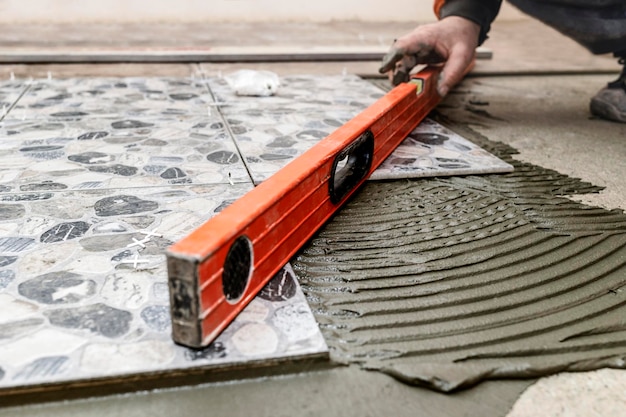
column 606, row 111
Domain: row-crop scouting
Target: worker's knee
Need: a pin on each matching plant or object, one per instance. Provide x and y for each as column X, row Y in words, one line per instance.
column 598, row 25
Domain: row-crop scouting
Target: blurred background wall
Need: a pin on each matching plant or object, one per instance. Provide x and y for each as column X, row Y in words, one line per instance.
column 81, row 11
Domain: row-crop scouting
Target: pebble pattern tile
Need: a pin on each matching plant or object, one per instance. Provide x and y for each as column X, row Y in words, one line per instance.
column 100, row 175
column 83, row 288
column 111, row 133
column 432, row 150
column 300, row 114
column 305, row 110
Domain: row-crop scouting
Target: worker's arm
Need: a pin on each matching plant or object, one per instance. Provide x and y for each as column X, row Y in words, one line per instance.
column 463, row 25
column 481, row 12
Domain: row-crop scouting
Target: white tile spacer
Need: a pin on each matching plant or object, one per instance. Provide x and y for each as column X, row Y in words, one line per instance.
column 135, row 261
column 139, row 242
column 150, row 233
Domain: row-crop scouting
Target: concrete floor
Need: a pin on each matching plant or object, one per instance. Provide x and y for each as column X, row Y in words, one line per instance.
column 537, row 104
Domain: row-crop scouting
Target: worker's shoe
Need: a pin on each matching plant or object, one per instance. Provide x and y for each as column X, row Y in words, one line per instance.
column 610, row 102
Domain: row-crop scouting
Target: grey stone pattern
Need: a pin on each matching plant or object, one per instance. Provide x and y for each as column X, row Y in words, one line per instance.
column 116, row 133
column 433, row 150
column 92, row 301
column 305, row 110
column 99, row 177
column 301, row 113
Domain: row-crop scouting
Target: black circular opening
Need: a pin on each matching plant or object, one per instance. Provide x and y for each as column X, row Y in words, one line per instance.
column 237, row 269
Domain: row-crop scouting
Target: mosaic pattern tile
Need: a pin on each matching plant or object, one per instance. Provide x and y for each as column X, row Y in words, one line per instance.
column 83, row 98
column 99, row 177
column 96, row 153
column 108, row 133
column 306, row 109
column 83, row 287
column 432, row 150
column 272, row 131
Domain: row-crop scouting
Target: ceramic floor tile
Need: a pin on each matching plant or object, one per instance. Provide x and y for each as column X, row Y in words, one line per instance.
column 94, row 222
column 305, row 91
column 83, row 287
column 117, row 132
column 272, row 131
column 269, row 141
column 80, row 329
column 100, row 153
column 80, row 98
column 432, row 150
column 99, row 181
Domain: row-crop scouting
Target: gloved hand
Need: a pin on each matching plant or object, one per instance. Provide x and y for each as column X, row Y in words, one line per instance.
column 452, row 40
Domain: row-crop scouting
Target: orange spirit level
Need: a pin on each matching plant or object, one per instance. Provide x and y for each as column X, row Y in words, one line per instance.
column 215, row 271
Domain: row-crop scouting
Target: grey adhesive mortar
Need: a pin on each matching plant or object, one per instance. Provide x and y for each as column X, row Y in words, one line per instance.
column 446, row 283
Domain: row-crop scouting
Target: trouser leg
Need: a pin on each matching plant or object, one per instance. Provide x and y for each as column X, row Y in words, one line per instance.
column 598, row 25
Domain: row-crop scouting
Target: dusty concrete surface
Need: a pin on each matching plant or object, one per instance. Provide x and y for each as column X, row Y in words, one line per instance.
column 547, row 120
column 588, row 394
column 200, row 34
column 343, row 391
column 597, row 393
column 519, row 46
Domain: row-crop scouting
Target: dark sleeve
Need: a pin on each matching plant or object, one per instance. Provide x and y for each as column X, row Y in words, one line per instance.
column 482, row 12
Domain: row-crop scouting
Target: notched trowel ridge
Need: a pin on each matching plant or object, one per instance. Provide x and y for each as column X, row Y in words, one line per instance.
column 521, row 291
